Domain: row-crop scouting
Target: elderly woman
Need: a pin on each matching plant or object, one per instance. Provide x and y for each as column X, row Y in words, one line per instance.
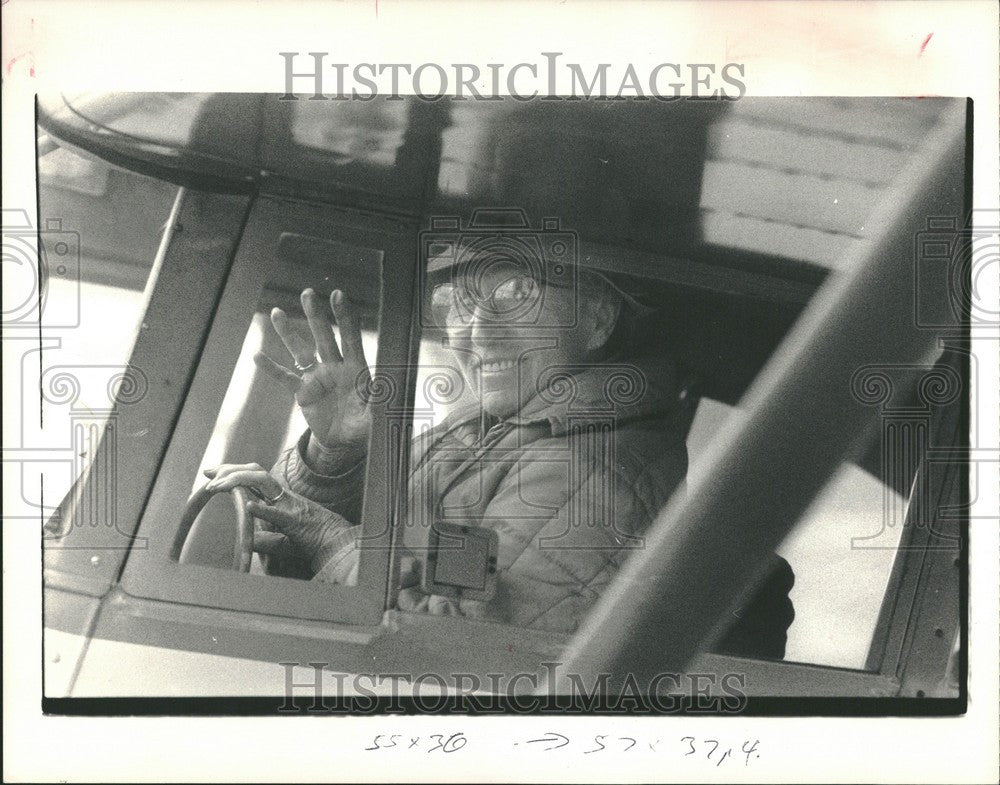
column 570, row 449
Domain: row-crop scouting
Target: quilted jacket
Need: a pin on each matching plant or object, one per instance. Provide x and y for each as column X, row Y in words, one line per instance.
column 570, row 484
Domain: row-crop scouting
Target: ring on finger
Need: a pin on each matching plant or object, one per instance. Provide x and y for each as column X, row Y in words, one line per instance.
column 303, row 368
column 268, row 500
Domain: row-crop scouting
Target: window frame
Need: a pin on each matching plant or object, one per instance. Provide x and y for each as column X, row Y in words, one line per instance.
column 151, row 572
column 104, row 506
column 780, row 402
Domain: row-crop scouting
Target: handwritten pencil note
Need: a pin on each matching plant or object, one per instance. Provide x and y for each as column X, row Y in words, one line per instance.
column 715, row 751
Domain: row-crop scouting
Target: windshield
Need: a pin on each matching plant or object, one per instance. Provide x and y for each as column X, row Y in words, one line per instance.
column 789, row 180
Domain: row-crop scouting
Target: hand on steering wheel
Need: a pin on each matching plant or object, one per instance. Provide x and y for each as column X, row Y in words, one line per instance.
column 291, row 522
column 250, row 538
column 244, row 546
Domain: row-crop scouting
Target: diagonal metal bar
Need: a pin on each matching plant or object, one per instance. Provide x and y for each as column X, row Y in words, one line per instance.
column 705, row 551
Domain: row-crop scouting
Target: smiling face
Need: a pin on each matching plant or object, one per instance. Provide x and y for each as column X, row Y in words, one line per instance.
column 508, row 333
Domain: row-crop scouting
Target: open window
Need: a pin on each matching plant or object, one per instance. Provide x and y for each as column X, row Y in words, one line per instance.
column 237, row 414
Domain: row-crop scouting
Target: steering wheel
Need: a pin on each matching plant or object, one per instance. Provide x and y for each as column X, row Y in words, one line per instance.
column 243, row 548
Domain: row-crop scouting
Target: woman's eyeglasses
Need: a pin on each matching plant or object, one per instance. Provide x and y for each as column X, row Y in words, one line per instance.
column 513, row 299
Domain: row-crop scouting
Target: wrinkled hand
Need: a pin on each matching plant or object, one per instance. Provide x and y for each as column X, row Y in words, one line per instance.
column 330, row 383
column 295, row 520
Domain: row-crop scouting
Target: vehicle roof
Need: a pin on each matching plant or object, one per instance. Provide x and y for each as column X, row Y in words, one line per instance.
column 782, row 184
column 727, row 215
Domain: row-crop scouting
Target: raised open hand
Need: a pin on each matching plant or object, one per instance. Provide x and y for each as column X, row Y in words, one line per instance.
column 329, row 382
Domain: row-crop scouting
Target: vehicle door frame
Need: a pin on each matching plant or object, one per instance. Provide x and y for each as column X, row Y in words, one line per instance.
column 151, row 572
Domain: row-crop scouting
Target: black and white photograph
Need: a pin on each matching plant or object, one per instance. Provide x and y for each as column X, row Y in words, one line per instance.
column 621, row 407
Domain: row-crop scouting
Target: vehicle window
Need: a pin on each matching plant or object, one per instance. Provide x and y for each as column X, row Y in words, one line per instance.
column 366, row 132
column 168, row 118
column 364, row 145
column 283, row 426
column 843, row 548
column 841, row 552
column 567, row 455
column 281, row 463
column 100, row 231
column 232, row 437
column 544, row 439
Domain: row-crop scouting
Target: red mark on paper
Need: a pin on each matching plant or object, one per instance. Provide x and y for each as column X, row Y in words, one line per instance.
column 923, row 46
column 29, row 53
column 13, row 61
